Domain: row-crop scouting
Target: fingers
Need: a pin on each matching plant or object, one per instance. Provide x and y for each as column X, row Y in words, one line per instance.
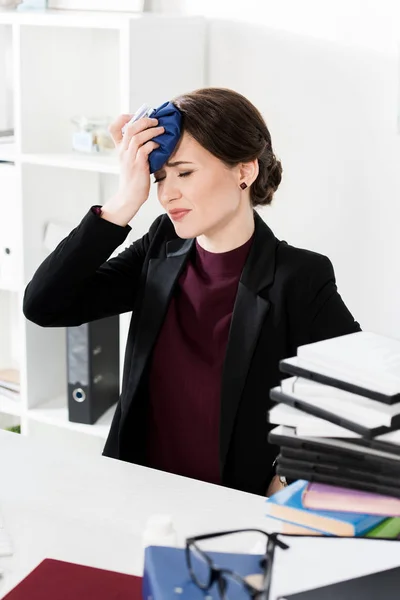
column 143, row 137
column 145, row 150
column 116, row 127
column 135, row 128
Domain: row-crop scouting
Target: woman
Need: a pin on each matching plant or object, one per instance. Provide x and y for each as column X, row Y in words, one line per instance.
column 217, row 299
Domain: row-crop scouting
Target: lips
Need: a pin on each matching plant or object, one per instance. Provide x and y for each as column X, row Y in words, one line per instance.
column 178, row 213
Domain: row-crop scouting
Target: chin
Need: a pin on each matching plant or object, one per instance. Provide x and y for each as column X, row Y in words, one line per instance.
column 186, row 231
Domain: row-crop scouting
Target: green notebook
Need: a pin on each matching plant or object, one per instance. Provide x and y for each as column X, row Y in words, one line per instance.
column 389, row 528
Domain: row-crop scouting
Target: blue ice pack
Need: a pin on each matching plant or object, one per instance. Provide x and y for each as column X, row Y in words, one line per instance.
column 170, row 118
column 166, row 575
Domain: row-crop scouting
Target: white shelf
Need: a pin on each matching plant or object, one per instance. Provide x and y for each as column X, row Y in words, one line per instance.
column 8, row 152
column 64, row 63
column 55, row 413
column 81, row 18
column 69, row 18
column 9, row 406
column 74, row 160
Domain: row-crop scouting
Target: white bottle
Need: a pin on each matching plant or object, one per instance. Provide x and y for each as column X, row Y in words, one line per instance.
column 160, row 531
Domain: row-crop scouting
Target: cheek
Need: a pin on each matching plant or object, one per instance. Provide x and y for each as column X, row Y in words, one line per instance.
column 217, row 191
column 220, row 196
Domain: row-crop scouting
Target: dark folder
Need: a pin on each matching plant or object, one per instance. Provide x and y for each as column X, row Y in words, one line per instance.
column 383, row 585
column 363, row 476
column 343, row 449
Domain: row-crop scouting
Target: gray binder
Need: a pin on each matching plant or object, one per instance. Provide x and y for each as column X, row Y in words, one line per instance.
column 93, row 369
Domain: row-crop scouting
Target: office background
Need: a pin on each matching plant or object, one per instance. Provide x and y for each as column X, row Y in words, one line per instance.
column 324, row 75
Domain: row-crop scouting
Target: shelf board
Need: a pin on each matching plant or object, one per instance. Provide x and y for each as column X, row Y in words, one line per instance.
column 69, row 18
column 9, row 406
column 55, row 413
column 74, row 160
column 8, row 152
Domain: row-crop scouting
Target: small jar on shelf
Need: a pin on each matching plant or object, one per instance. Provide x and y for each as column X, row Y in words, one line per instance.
column 91, row 135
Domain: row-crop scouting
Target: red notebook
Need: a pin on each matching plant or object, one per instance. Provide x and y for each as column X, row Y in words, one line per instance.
column 66, row 581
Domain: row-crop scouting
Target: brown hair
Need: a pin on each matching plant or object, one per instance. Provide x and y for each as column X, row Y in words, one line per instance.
column 228, row 125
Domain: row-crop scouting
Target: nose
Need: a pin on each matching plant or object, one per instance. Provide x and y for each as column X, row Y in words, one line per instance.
column 169, row 190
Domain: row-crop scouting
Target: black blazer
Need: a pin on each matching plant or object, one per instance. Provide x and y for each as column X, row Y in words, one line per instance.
column 286, row 297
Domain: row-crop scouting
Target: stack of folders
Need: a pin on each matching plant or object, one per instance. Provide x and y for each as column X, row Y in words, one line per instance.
column 338, row 414
column 320, row 509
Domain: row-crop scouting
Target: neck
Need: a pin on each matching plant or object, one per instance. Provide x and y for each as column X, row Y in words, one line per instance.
column 231, row 234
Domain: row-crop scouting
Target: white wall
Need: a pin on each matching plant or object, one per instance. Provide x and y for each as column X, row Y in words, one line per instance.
column 371, row 23
column 330, row 97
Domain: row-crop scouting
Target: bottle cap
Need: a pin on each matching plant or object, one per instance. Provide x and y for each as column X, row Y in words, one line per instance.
column 160, row 524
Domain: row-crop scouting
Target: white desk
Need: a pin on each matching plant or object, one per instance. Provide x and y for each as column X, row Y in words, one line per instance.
column 92, row 511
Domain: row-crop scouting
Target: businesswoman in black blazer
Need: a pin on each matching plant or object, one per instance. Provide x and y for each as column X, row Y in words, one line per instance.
column 216, row 299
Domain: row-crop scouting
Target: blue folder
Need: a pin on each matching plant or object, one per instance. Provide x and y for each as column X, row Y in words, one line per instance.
column 166, row 575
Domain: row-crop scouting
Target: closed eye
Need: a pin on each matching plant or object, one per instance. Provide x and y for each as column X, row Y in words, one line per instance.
column 186, row 174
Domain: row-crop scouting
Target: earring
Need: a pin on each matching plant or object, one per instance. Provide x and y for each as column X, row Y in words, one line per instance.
column 243, row 186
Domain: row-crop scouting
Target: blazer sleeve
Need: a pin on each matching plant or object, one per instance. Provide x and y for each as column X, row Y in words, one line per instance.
column 322, row 313
column 329, row 315
column 76, row 283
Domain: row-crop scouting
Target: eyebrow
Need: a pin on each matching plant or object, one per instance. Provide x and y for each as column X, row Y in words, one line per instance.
column 178, row 162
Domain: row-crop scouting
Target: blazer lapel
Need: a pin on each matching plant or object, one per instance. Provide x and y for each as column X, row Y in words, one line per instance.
column 249, row 313
column 162, row 276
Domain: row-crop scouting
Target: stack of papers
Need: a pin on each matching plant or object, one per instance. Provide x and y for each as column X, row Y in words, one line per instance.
column 339, row 413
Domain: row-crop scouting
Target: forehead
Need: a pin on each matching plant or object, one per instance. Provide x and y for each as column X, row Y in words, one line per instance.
column 189, row 149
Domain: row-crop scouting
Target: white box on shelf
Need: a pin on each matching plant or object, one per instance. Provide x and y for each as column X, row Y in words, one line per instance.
column 112, row 5
column 6, row 79
column 10, row 229
column 10, row 358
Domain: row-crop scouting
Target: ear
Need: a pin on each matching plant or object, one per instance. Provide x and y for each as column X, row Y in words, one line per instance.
column 248, row 172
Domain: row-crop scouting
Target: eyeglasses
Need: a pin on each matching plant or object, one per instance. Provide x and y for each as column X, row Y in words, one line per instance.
column 205, row 573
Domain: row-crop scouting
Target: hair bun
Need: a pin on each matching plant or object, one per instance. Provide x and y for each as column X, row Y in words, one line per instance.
column 268, row 180
column 275, row 174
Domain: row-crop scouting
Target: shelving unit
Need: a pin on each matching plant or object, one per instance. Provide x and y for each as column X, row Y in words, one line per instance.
column 67, row 63
column 73, row 160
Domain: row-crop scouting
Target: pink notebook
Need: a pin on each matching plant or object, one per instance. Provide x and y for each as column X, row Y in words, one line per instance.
column 321, row 496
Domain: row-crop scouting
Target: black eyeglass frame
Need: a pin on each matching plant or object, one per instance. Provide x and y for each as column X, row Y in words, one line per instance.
column 217, row 574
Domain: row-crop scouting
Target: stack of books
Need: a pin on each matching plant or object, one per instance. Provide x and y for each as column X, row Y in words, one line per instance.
column 338, row 414
column 9, row 383
column 320, row 509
